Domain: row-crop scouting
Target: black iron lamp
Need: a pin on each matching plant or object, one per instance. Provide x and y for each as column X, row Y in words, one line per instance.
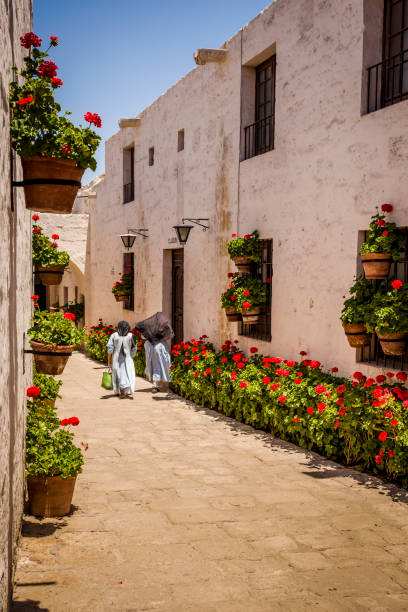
column 129, row 238
column 183, row 231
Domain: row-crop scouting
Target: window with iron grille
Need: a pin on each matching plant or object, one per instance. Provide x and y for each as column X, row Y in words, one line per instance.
column 388, row 80
column 264, row 270
column 129, row 264
column 373, row 353
column 128, row 175
column 259, row 137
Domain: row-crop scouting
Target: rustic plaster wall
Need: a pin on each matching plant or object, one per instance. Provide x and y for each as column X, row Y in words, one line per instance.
column 15, row 305
column 312, row 194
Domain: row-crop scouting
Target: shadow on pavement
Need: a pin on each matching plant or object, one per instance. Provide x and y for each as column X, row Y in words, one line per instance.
column 29, row 605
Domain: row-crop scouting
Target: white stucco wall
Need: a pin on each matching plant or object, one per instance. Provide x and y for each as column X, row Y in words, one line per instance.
column 312, row 194
column 15, row 305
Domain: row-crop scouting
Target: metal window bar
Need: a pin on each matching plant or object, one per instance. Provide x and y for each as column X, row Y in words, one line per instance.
column 259, row 137
column 264, row 270
column 387, row 82
column 373, row 354
column 128, row 192
column 129, row 303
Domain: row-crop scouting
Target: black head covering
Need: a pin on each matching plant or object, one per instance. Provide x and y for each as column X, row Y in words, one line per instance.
column 156, row 328
column 123, row 328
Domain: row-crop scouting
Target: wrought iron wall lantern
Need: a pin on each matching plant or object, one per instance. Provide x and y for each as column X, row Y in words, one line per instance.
column 129, row 238
column 183, row 231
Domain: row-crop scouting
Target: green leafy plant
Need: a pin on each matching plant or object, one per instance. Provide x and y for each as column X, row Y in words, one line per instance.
column 36, row 126
column 384, row 236
column 50, row 450
column 125, row 284
column 55, row 328
column 357, row 307
column 363, row 422
column 250, row 293
column 389, row 312
column 77, row 308
column 228, row 298
column 45, row 252
column 48, row 385
column 247, row 246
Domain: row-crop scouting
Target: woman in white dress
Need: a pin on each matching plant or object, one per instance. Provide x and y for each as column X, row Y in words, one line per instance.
column 158, row 333
column 121, row 350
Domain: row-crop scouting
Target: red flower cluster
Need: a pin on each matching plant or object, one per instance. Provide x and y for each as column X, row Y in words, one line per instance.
column 93, row 118
column 55, row 237
column 33, row 391
column 70, row 316
column 47, row 69
column 34, row 297
column 397, row 284
column 387, row 208
column 53, row 41
column 36, row 230
column 24, row 101
column 56, row 82
column 71, row 421
column 35, row 217
column 30, row 40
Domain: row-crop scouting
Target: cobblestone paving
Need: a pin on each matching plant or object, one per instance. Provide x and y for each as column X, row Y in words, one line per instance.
column 182, row 510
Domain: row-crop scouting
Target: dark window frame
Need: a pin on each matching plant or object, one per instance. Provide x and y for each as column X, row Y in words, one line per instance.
column 180, row 140
column 259, row 137
column 129, row 188
column 264, row 270
column 151, row 156
column 373, row 354
column 129, row 303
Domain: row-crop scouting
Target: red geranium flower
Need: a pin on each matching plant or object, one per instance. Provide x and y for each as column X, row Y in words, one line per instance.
column 269, row 280
column 246, row 305
column 33, row 391
column 224, row 359
column 54, row 244
column 70, row 316
column 341, row 389
column 310, row 410
column 315, row 364
column 56, row 82
column 397, row 284
column 337, row 423
column 381, row 223
column 196, row 374
column 380, row 378
column 282, row 398
column 382, row 436
column 253, row 350
column 233, row 235
column 378, row 392
column 73, row 421
column 289, row 362
column 93, row 118
column 36, row 230
column 266, row 380
column 320, row 388
column 342, row 411
column 302, row 353
column 385, row 233
column 369, row 382
column 274, row 386
column 54, row 41
column 186, row 361
column 247, row 236
column 47, row 69
column 232, row 298
column 35, row 217
column 34, row 297
column 246, row 292
column 64, row 422
column 241, row 365
column 394, row 422
column 297, row 381
column 335, row 369
column 55, row 237
column 24, row 101
column 30, row 40
column 390, row 374
column 378, row 458
column 391, row 453
column 295, row 419
column 230, row 275
column 243, row 384
column 402, row 376
column 321, row 406
column 387, row 208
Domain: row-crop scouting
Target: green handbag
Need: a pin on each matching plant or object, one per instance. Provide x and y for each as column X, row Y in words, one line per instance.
column 107, row 381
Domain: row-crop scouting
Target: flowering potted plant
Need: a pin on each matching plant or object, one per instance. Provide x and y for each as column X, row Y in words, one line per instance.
column 52, row 461
column 45, row 389
column 251, row 295
column 355, row 311
column 53, row 338
column 49, row 262
column 54, row 153
column 228, row 298
column 388, row 317
column 244, row 251
column 382, row 245
column 123, row 288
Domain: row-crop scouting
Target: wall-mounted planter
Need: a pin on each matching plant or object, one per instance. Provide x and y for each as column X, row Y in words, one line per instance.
column 50, row 276
column 393, row 344
column 232, row 314
column 50, row 183
column 50, row 495
column 121, row 297
column 243, row 263
column 49, row 358
column 357, row 335
column 376, row 265
column 251, row 317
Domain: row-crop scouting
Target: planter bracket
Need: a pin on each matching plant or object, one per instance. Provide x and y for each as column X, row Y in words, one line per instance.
column 46, row 181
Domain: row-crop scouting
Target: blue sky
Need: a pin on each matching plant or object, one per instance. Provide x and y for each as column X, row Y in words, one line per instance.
column 115, row 58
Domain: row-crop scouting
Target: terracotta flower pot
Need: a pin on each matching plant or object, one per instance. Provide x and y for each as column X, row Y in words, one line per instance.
column 251, row 317
column 48, row 276
column 121, row 297
column 393, row 344
column 357, row 335
column 49, row 358
column 51, row 183
column 232, row 314
column 50, row 495
column 376, row 265
column 243, row 263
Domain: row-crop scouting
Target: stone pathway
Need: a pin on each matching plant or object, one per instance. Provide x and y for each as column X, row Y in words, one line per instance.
column 182, row 510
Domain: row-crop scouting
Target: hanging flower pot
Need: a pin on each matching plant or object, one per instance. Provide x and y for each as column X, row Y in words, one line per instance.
column 393, row 344
column 49, row 358
column 50, row 496
column 232, row 314
column 243, row 264
column 51, row 275
column 251, row 316
column 50, row 183
column 357, row 335
column 121, row 297
column 376, row 265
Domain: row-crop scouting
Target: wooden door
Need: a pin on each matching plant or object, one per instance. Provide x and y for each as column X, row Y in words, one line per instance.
column 177, row 294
